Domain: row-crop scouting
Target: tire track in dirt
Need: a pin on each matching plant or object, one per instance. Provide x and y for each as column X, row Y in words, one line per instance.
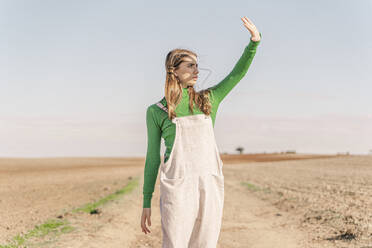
column 254, row 223
column 117, row 225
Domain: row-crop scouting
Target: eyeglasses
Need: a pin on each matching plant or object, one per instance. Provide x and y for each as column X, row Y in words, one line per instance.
column 200, row 85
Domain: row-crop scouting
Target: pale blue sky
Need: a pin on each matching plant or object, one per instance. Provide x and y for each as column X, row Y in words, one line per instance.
column 77, row 76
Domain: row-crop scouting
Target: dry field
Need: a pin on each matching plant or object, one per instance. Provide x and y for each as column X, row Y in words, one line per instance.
column 271, row 200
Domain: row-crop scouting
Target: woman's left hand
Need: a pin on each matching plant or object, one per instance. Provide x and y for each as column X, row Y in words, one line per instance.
column 252, row 29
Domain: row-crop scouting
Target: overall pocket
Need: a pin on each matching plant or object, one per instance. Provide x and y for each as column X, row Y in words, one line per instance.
column 219, row 180
column 173, row 190
column 173, row 170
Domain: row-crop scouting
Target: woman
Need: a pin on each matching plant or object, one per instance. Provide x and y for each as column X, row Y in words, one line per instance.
column 191, row 178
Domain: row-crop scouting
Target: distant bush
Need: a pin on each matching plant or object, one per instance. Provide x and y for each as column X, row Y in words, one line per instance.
column 343, row 153
column 290, row 152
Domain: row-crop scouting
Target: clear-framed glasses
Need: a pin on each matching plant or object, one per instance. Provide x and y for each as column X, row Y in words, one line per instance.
column 201, row 85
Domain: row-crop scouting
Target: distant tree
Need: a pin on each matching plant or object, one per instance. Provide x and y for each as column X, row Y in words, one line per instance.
column 239, row 149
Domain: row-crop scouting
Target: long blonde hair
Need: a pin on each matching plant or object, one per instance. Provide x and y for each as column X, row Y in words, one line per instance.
column 173, row 87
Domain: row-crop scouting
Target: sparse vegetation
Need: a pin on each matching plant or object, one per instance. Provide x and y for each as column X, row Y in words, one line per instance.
column 92, row 207
column 52, row 228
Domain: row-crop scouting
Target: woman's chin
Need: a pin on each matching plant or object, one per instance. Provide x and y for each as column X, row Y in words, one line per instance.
column 191, row 83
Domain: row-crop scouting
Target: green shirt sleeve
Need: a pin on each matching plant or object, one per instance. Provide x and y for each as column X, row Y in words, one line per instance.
column 152, row 156
column 221, row 89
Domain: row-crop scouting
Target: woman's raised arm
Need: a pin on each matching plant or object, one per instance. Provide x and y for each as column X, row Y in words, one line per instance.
column 221, row 89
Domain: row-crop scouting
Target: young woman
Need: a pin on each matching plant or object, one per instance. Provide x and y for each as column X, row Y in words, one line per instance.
column 191, row 178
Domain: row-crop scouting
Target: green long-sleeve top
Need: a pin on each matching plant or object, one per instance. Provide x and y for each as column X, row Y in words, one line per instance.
column 158, row 124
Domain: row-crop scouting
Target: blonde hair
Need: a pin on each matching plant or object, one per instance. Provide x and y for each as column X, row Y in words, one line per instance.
column 173, row 87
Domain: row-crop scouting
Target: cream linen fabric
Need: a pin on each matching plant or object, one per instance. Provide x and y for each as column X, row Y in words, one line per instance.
column 192, row 186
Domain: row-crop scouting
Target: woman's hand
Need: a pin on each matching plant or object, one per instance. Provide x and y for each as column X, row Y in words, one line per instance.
column 252, row 29
column 146, row 215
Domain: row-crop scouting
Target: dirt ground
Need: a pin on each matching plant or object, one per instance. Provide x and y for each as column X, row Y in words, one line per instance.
column 271, row 200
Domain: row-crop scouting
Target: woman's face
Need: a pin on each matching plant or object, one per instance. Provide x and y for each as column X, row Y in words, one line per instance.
column 187, row 71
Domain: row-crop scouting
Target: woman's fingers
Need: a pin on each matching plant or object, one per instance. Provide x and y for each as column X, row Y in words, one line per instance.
column 249, row 21
column 250, row 26
column 246, row 21
column 145, row 229
column 143, row 223
column 247, row 24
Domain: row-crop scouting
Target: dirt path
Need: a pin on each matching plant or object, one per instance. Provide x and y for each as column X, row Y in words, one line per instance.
column 251, row 222
column 247, row 222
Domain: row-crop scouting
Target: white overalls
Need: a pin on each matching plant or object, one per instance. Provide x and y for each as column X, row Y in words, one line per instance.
column 192, row 186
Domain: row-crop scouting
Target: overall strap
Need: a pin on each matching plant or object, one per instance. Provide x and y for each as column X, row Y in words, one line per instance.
column 160, row 105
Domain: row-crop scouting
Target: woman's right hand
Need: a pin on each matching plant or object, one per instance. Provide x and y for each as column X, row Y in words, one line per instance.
column 146, row 215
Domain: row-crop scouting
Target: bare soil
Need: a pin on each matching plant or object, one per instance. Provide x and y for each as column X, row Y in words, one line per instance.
column 271, row 200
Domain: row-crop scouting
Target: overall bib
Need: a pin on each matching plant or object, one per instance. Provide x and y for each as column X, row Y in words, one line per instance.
column 192, row 186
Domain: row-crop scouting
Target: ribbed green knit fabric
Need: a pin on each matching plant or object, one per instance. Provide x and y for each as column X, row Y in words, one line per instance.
column 159, row 126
